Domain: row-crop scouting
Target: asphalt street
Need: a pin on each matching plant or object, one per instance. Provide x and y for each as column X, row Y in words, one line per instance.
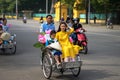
column 101, row 63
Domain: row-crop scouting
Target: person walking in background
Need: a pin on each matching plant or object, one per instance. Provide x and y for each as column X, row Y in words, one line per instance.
column 41, row 19
column 95, row 19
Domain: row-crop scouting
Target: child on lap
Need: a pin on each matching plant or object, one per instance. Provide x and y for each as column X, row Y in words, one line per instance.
column 56, row 53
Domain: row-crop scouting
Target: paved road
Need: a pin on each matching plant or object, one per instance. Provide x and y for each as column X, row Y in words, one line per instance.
column 101, row 63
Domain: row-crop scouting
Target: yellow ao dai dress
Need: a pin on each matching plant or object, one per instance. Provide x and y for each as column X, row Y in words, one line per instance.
column 68, row 49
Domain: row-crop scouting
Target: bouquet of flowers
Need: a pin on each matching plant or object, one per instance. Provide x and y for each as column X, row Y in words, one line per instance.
column 42, row 39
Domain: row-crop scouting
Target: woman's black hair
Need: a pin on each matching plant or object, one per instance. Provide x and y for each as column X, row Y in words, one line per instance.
column 60, row 25
column 52, row 32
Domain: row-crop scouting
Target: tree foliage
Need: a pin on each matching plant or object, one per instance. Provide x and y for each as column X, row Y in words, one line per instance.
column 7, row 5
column 35, row 5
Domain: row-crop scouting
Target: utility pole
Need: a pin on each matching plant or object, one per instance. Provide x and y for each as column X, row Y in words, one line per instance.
column 16, row 9
column 60, row 10
column 46, row 7
column 89, row 12
column 87, row 5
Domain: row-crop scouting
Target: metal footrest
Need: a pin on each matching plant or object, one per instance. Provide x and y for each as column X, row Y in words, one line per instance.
column 6, row 45
column 72, row 64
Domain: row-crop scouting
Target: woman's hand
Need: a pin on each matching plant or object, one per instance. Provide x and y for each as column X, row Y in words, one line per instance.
column 49, row 47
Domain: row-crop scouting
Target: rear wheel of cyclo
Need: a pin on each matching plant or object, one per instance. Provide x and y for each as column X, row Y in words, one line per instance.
column 76, row 71
column 47, row 67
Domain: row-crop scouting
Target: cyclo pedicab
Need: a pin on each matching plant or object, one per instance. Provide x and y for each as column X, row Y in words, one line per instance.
column 48, row 62
column 8, row 41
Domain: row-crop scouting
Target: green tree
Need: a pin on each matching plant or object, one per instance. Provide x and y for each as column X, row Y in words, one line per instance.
column 6, row 5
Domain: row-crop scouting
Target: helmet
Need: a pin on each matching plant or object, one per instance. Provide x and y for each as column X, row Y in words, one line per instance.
column 76, row 26
column 76, row 20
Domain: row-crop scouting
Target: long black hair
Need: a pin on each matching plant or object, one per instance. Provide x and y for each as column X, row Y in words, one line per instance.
column 59, row 29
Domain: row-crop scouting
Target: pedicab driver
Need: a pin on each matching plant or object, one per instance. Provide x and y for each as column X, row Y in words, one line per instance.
column 48, row 25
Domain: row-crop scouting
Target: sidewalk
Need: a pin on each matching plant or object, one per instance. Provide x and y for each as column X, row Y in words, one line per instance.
column 88, row 27
column 99, row 27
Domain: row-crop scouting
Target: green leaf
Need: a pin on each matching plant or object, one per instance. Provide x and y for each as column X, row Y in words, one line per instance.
column 38, row 45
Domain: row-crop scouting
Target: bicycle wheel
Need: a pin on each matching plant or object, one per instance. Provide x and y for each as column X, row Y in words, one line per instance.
column 111, row 26
column 76, row 71
column 47, row 67
column 13, row 50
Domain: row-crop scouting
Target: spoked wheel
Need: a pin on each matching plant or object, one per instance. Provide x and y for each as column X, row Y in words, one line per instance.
column 3, row 51
column 13, row 50
column 47, row 67
column 76, row 71
column 111, row 26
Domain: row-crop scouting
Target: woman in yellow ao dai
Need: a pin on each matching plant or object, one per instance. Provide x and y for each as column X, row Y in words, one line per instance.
column 69, row 51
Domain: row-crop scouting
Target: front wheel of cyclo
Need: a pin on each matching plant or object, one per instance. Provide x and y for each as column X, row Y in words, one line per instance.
column 47, row 67
column 76, row 71
column 13, row 50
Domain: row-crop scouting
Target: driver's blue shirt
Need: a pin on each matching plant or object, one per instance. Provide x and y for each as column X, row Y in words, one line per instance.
column 45, row 26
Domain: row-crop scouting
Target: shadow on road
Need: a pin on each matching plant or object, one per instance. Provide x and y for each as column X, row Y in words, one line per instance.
column 85, row 75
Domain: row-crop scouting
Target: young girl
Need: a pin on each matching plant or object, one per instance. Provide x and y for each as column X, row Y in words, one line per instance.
column 69, row 51
column 56, row 53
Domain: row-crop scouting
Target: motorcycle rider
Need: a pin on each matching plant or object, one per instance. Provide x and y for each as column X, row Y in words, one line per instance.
column 78, row 29
column 109, row 23
column 24, row 19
